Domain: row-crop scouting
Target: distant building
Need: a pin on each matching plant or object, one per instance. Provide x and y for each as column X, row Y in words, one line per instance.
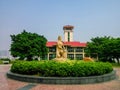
column 4, row 54
column 75, row 49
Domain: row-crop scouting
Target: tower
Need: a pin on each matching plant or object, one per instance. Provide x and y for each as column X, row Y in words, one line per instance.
column 68, row 33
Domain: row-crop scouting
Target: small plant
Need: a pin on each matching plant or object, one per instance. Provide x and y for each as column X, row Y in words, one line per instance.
column 5, row 60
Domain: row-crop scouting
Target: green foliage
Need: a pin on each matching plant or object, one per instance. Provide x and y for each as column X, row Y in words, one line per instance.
column 1, row 62
column 28, row 45
column 61, row 69
column 5, row 59
column 104, row 48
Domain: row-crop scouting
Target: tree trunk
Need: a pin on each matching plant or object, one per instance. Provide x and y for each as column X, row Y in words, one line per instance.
column 118, row 60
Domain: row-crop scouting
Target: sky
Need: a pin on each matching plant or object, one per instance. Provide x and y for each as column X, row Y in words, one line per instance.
column 90, row 18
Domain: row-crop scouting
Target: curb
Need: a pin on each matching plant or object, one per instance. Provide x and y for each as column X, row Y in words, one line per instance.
column 63, row 80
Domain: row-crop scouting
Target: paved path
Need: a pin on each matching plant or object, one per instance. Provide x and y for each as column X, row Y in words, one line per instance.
column 9, row 84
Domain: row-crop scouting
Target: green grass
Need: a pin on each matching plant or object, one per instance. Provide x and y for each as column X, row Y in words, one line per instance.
column 1, row 62
column 115, row 65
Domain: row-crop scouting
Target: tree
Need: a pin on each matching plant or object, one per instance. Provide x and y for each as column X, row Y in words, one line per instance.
column 106, row 48
column 112, row 49
column 95, row 47
column 28, row 45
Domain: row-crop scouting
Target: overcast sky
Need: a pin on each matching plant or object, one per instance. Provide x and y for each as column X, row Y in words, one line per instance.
column 90, row 18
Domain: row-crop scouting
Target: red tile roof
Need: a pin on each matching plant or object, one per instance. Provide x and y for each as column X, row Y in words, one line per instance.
column 72, row 44
column 51, row 43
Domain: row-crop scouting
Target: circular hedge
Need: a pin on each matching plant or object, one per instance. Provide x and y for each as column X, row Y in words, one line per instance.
column 61, row 69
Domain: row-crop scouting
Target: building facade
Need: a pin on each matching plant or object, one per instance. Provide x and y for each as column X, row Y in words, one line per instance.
column 75, row 49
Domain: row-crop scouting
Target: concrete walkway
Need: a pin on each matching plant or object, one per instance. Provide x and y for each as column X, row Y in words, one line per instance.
column 9, row 84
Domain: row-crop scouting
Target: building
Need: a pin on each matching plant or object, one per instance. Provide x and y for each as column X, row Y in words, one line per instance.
column 5, row 54
column 75, row 49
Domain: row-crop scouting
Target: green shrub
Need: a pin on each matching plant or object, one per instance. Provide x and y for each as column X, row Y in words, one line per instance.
column 61, row 69
column 5, row 60
column 1, row 62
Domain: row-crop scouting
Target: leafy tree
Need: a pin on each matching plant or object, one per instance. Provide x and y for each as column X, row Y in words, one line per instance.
column 112, row 49
column 105, row 48
column 28, row 45
column 95, row 46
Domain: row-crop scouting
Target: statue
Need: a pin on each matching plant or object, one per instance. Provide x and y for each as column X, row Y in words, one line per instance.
column 61, row 53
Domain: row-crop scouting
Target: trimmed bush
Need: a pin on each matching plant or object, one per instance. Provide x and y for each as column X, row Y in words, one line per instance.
column 4, row 61
column 61, row 69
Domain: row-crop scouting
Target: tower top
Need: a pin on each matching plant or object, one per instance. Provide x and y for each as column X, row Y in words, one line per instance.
column 68, row 33
column 68, row 27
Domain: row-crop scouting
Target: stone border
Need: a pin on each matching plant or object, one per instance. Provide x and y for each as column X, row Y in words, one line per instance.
column 62, row 80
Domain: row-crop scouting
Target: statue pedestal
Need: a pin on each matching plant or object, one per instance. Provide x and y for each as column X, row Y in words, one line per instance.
column 60, row 59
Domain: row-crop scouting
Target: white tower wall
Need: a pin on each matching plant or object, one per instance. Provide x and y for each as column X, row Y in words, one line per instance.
column 68, row 33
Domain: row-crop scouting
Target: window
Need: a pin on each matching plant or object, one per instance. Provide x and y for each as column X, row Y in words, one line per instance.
column 71, row 56
column 52, row 49
column 79, row 56
column 79, row 49
column 44, row 57
column 68, row 36
column 70, row 49
column 52, row 56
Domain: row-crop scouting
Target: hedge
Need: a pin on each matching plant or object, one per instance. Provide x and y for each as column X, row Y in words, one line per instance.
column 61, row 69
